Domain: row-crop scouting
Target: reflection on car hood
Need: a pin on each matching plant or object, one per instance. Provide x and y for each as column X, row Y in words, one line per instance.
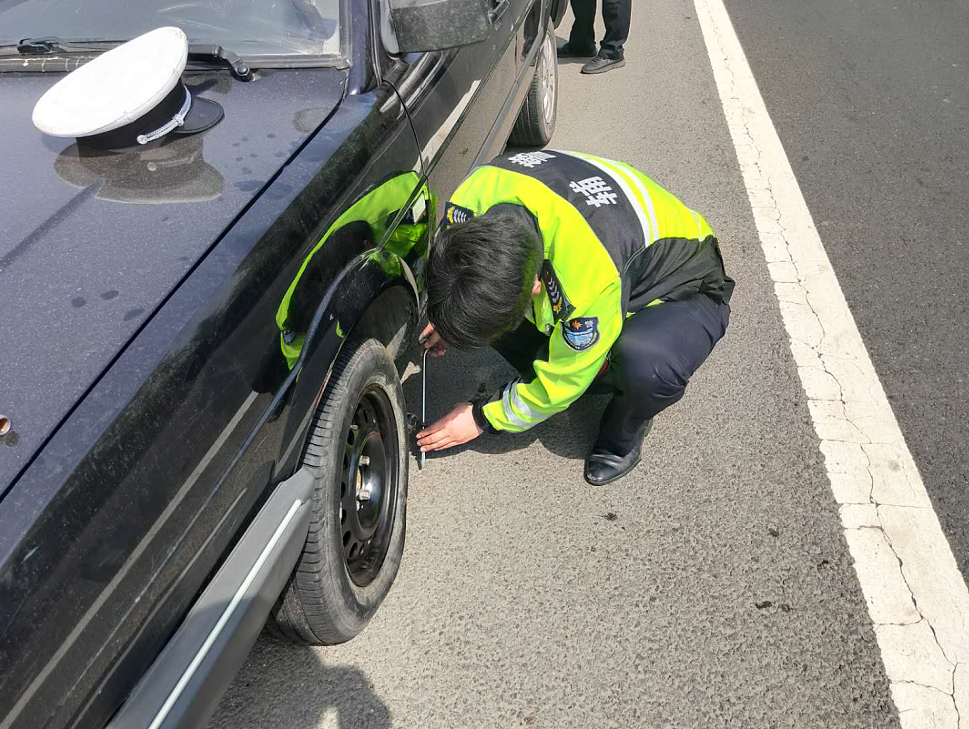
column 91, row 245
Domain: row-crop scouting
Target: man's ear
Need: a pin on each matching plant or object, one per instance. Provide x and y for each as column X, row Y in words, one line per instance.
column 536, row 287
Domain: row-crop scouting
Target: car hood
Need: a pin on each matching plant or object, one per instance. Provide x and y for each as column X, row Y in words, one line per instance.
column 90, row 246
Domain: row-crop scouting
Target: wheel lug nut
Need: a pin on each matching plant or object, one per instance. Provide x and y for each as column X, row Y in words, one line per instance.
column 364, row 460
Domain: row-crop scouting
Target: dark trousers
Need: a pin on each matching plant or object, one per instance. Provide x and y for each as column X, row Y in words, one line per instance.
column 615, row 14
column 650, row 365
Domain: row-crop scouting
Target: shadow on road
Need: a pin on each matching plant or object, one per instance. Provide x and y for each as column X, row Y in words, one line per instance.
column 577, row 61
column 569, row 61
column 291, row 686
column 457, row 376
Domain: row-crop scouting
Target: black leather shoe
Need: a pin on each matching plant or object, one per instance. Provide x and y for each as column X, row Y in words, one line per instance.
column 567, row 51
column 601, row 65
column 602, row 467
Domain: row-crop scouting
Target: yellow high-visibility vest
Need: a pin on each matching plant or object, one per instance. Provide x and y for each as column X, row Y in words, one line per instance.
column 614, row 241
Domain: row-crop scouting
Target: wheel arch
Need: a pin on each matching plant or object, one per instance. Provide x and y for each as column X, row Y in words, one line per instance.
column 376, row 295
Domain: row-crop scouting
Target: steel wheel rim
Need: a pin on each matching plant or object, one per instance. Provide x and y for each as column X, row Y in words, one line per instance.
column 548, row 79
column 368, row 486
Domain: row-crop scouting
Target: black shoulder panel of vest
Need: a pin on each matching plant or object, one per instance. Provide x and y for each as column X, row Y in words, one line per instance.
column 594, row 193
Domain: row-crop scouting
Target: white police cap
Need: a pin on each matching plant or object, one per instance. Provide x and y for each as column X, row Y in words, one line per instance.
column 127, row 97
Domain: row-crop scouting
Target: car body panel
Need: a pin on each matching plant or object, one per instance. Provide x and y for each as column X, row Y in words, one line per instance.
column 182, row 687
column 109, row 532
column 463, row 102
column 81, row 282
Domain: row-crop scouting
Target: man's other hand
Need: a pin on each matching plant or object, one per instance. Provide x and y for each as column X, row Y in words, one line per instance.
column 454, row 429
column 432, row 341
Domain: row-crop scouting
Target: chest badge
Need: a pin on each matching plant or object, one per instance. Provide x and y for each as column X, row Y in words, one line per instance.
column 581, row 333
column 561, row 307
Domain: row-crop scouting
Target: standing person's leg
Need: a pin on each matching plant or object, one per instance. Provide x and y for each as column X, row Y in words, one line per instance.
column 582, row 38
column 615, row 14
column 658, row 351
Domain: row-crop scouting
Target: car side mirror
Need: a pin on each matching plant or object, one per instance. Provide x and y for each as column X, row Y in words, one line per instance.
column 433, row 25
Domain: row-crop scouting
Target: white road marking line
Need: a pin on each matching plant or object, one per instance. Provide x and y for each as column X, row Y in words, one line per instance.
column 916, row 597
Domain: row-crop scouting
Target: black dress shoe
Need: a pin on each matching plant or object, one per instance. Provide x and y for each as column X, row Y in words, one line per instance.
column 601, row 65
column 567, row 51
column 602, row 467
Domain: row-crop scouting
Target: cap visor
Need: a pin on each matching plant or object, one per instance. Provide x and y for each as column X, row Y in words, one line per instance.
column 203, row 114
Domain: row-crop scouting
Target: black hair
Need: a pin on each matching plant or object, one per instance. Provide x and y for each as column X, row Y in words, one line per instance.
column 480, row 277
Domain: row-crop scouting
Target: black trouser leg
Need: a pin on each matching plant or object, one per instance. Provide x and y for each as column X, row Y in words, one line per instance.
column 659, row 349
column 615, row 14
column 521, row 347
column 583, row 33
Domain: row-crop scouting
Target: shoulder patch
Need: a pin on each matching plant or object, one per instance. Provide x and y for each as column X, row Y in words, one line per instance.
column 454, row 214
column 561, row 306
column 581, row 333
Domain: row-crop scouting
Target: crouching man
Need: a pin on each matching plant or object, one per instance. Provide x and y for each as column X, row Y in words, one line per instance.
column 581, row 272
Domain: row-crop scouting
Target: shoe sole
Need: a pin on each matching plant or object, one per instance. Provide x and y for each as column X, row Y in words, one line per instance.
column 605, row 69
column 614, row 478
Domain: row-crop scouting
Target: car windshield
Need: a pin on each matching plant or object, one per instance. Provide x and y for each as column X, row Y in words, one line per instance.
column 245, row 27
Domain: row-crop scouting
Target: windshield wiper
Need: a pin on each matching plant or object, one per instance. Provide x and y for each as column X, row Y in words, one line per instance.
column 215, row 53
column 54, row 46
column 51, row 45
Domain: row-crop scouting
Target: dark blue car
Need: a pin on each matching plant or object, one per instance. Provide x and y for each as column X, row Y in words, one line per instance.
column 201, row 418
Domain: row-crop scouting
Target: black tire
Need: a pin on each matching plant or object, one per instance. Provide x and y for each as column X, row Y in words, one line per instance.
column 332, row 595
column 536, row 120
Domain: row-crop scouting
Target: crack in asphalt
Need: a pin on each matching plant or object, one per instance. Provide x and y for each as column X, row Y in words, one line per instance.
column 810, row 342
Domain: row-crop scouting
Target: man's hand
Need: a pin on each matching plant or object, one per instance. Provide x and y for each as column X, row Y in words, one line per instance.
column 432, row 341
column 454, row 429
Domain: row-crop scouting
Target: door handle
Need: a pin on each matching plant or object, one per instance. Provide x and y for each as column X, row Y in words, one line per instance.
column 494, row 15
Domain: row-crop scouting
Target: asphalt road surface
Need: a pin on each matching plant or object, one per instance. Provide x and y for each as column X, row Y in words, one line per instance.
column 713, row 587
column 871, row 100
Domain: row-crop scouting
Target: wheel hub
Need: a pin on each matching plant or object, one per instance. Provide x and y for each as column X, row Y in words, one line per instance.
column 548, row 78
column 368, row 486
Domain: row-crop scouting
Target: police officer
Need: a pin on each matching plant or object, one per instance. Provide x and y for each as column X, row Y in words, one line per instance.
column 581, row 272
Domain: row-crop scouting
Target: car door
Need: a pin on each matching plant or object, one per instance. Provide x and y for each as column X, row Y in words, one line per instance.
column 459, row 99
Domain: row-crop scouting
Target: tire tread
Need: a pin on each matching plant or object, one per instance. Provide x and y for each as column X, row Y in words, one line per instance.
column 303, row 613
column 530, row 129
